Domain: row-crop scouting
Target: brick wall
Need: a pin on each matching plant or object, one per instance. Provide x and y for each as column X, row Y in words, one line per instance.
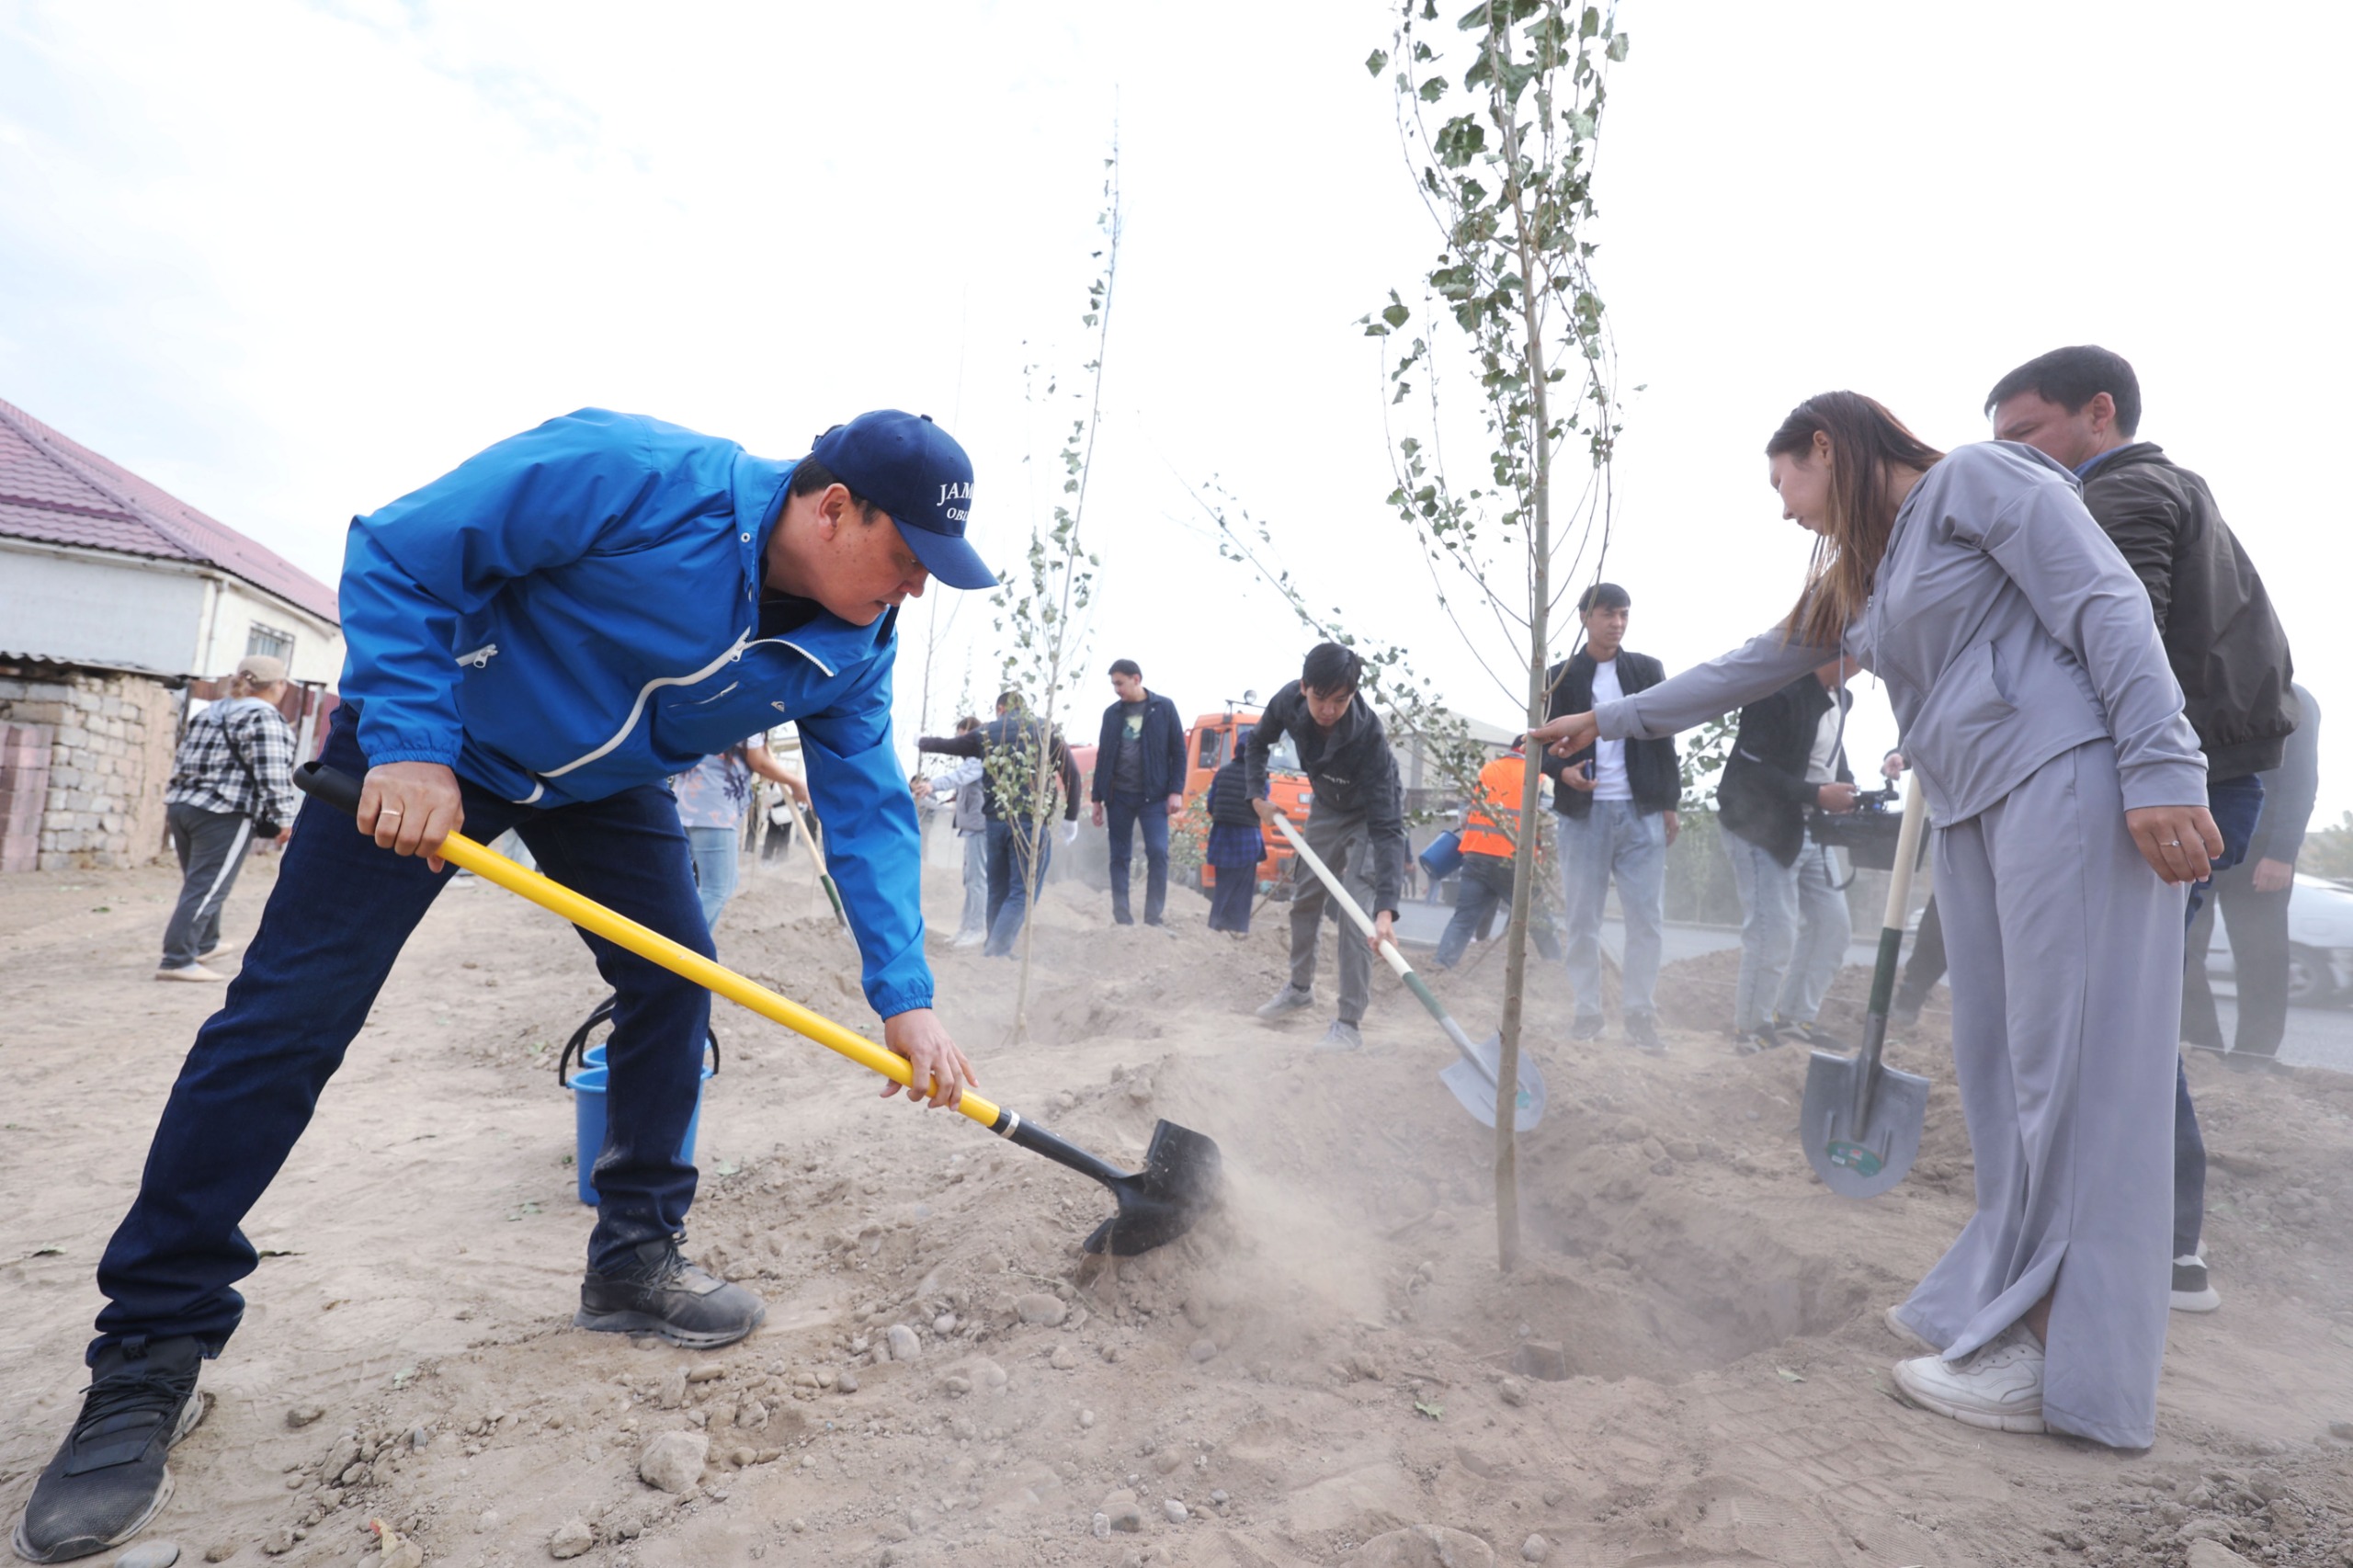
column 110, row 741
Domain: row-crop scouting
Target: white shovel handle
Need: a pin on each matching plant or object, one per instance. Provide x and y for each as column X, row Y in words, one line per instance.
column 1347, row 900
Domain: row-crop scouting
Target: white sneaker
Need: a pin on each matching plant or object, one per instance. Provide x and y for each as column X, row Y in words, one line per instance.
column 195, row 971
column 970, row 939
column 2192, row 1291
column 1904, row 1332
column 1287, row 1001
column 1999, row 1386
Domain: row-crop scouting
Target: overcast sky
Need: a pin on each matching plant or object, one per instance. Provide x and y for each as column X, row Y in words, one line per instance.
column 290, row 261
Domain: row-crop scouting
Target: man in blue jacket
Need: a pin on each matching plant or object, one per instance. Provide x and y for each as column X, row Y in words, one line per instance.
column 1139, row 783
column 537, row 640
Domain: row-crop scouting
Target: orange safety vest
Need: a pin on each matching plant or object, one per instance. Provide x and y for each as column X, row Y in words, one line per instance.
column 1500, row 783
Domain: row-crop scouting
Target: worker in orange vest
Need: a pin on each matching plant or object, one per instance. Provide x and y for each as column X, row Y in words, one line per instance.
column 1487, row 829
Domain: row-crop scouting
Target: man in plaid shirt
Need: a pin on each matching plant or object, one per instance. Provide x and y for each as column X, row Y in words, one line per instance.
column 235, row 767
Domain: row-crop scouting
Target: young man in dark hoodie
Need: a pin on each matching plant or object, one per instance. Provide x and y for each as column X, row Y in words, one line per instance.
column 2082, row 408
column 1616, row 802
column 1356, row 824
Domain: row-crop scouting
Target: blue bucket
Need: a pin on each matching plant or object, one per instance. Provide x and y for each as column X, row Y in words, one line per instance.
column 588, row 1090
column 1443, row 857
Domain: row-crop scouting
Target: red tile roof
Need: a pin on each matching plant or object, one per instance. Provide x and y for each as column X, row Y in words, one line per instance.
column 60, row 491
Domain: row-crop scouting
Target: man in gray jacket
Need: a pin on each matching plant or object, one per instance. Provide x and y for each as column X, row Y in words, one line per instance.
column 2082, row 408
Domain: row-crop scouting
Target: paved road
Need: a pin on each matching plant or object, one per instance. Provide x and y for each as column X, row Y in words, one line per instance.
column 2317, row 1037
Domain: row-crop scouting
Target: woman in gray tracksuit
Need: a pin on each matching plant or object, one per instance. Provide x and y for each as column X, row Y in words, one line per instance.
column 2068, row 796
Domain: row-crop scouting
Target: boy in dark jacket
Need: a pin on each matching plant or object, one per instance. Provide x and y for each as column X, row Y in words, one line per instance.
column 1139, row 783
column 1616, row 803
column 1356, row 824
column 1237, row 844
column 1787, row 760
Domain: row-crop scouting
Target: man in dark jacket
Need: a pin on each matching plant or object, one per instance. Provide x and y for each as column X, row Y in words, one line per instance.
column 2253, row 898
column 1787, row 760
column 1356, row 824
column 1616, row 802
column 2082, row 406
column 1139, row 783
column 1020, row 845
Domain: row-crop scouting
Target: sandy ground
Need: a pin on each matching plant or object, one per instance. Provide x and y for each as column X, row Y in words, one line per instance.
column 1325, row 1373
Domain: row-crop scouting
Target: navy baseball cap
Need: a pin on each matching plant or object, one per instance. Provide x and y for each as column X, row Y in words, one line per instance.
column 915, row 471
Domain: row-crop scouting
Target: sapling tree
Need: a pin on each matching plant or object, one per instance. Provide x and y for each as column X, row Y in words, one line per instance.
column 1042, row 608
column 1502, row 153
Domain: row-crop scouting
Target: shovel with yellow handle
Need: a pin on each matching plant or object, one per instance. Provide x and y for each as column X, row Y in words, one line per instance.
column 1156, row 1204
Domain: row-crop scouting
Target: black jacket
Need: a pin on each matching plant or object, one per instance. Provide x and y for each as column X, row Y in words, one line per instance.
column 999, row 733
column 1350, row 768
column 1651, row 770
column 1230, row 795
column 2227, row 648
column 1764, row 794
column 1164, row 748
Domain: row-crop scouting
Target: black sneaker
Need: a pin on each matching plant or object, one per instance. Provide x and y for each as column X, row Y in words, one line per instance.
column 109, row 1478
column 665, row 1295
column 1642, row 1033
column 2191, row 1290
column 1809, row 1033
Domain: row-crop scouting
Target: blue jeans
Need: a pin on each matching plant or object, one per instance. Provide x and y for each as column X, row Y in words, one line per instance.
column 1769, row 930
column 334, row 924
column 2236, row 804
column 1615, row 839
column 1122, row 814
column 1825, row 928
column 975, row 922
column 716, row 851
column 1485, row 882
column 1017, row 870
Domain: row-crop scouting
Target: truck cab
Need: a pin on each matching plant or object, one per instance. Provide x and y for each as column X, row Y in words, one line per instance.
column 1212, row 741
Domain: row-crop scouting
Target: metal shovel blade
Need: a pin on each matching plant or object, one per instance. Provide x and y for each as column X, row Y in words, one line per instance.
column 1182, row 1171
column 1472, row 1079
column 1864, row 1159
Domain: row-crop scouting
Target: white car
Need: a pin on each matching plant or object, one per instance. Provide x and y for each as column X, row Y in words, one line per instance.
column 2320, row 943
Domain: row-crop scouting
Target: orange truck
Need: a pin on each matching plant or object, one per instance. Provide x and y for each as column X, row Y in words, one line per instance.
column 1215, row 738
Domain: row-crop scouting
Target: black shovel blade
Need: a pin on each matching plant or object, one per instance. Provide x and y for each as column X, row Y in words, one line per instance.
column 1182, row 1172
column 1866, row 1159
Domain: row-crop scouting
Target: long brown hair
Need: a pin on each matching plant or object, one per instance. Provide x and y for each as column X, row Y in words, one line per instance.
column 1866, row 442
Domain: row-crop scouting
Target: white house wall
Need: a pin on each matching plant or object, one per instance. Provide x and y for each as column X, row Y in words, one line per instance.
column 318, row 647
column 87, row 607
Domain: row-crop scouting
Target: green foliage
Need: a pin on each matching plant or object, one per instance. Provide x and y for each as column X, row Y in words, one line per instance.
column 2328, row 851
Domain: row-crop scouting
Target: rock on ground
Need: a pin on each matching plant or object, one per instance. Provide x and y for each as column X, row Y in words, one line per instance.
column 1426, row 1546
column 570, row 1538
column 2214, row 1554
column 673, row 1461
column 149, row 1554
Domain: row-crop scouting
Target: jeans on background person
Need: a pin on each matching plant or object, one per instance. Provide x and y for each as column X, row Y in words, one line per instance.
column 211, row 850
column 1122, row 814
column 1769, row 930
column 1825, row 927
column 975, row 922
column 1231, row 896
column 1017, row 870
column 2259, row 966
column 2236, row 805
column 716, row 851
column 1926, row 964
column 329, row 936
column 1616, row 838
column 1485, row 882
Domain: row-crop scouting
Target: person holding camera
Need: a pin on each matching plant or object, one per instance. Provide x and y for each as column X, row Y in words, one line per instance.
column 233, row 781
column 1786, row 761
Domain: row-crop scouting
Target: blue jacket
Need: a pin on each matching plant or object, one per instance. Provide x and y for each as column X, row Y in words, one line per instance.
column 574, row 612
column 1164, row 749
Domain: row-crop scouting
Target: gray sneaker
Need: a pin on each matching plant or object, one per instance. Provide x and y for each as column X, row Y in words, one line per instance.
column 1341, row 1036
column 1642, row 1033
column 1290, row 999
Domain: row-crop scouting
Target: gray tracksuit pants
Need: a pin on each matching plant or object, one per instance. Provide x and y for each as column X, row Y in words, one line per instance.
column 211, row 850
column 2066, row 1011
column 1344, row 839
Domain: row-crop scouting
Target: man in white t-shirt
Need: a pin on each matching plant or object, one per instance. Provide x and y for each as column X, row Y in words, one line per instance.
column 1616, row 802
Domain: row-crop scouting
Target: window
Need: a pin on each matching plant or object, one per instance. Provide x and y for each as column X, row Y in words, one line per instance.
column 270, row 641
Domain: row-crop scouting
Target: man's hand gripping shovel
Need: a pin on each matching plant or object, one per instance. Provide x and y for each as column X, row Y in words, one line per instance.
column 1156, row 1205
column 1473, row 1078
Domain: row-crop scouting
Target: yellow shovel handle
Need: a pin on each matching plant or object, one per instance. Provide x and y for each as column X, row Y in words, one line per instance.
column 590, row 915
